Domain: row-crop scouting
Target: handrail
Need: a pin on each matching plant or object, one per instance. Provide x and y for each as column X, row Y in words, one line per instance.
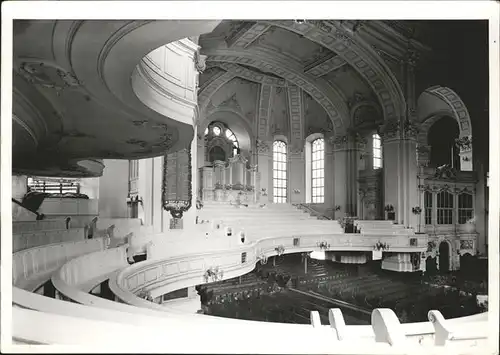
column 312, row 211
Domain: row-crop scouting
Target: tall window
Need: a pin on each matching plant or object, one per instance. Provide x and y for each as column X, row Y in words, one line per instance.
column 465, row 210
column 318, row 170
column 444, row 208
column 377, row 152
column 279, row 172
column 428, row 207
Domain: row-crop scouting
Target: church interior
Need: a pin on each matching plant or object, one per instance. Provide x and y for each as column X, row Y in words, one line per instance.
column 306, row 177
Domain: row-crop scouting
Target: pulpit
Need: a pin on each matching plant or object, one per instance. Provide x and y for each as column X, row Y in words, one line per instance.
column 233, row 180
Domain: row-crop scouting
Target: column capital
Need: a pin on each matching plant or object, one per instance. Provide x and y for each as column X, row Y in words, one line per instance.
column 464, row 144
column 397, row 130
column 352, row 141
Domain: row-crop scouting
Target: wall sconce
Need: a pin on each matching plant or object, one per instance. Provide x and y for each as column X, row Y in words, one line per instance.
column 416, row 210
column 296, row 191
column 465, row 158
column 337, row 208
column 264, row 192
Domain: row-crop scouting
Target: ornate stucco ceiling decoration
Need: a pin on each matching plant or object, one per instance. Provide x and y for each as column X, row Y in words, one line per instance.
column 341, row 40
column 251, row 74
column 210, row 73
column 237, row 95
column 266, row 60
column 82, row 70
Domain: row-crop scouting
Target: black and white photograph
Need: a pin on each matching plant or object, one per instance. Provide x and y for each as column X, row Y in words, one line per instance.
column 250, row 177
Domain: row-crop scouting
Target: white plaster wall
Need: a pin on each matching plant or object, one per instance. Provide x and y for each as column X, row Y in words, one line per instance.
column 19, row 186
column 113, row 189
column 90, row 187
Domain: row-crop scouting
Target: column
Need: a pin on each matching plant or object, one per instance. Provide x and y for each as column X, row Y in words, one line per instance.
column 400, row 170
column 346, row 150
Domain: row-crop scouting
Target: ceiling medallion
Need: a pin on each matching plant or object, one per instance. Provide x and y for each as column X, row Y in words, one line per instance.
column 48, row 76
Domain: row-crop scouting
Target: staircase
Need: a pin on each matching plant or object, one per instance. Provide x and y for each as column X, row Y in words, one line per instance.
column 258, row 220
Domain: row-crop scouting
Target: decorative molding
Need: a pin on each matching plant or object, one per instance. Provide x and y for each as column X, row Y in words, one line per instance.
column 200, row 62
column 326, row 95
column 264, row 110
column 458, row 108
column 395, row 129
column 48, row 75
column 319, row 69
column 231, row 102
column 346, row 141
column 445, row 172
column 238, row 158
column 263, row 147
column 210, row 89
column 247, row 34
column 333, row 35
column 464, row 144
column 251, row 75
column 296, row 114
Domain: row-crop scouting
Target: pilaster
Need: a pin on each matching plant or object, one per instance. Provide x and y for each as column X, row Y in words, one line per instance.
column 296, row 177
column 265, row 163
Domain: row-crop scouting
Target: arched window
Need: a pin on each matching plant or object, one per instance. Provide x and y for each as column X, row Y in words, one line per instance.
column 377, row 151
column 428, row 207
column 318, row 170
column 279, row 172
column 444, row 208
column 465, row 208
column 219, row 129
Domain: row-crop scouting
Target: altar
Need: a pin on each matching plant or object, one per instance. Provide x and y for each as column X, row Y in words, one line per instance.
column 233, row 181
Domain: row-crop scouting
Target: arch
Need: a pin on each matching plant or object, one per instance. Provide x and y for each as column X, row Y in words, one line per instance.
column 330, row 98
column 216, row 153
column 437, row 102
column 357, row 53
column 236, row 122
column 280, row 137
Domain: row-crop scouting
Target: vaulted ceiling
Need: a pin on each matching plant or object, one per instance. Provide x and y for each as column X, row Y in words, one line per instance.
column 319, row 58
column 73, row 101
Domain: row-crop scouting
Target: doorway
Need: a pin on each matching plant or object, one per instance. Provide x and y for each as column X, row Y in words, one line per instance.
column 444, row 257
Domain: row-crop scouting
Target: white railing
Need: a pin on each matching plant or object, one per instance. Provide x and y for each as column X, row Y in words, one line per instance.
column 32, row 267
column 159, row 325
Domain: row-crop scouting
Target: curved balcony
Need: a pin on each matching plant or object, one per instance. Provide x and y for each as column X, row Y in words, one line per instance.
column 93, row 96
column 105, row 321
